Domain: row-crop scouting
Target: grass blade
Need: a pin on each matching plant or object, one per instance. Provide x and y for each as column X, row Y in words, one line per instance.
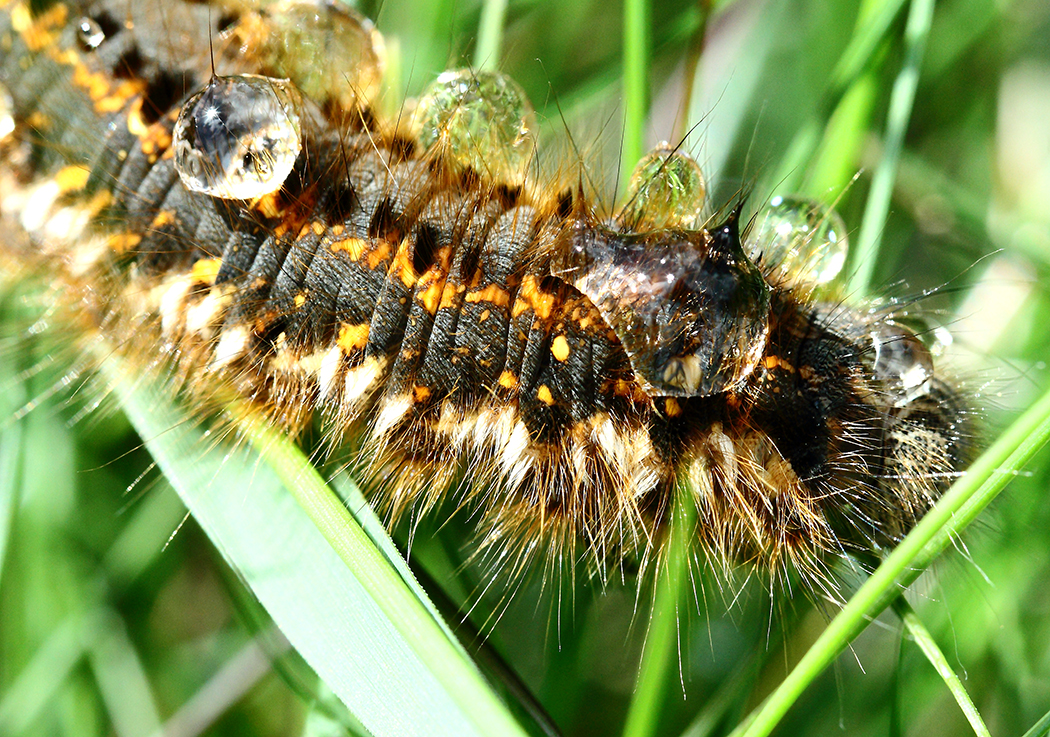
column 330, row 590
column 877, row 207
column 636, row 54
column 933, row 653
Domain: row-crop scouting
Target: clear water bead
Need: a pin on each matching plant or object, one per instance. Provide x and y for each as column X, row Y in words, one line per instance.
column 902, row 361
column 667, row 190
column 481, row 120
column 90, row 33
column 330, row 51
column 239, row 137
column 802, row 240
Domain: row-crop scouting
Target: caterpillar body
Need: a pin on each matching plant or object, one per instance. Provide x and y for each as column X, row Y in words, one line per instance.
column 473, row 335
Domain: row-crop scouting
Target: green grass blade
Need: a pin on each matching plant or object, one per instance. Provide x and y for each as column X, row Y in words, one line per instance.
column 11, row 452
column 949, row 517
column 326, row 585
column 902, row 98
column 636, row 54
column 933, row 653
column 490, row 34
column 662, row 642
column 1040, row 728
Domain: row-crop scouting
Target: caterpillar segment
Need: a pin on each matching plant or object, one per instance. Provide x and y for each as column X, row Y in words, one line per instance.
column 470, row 332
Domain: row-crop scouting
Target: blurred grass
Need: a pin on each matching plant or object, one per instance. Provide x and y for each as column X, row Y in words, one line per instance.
column 973, row 180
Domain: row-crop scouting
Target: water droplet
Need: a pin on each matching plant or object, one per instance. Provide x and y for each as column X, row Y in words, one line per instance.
column 90, row 33
column 329, row 51
column 7, row 113
column 480, row 120
column 803, row 241
column 667, row 190
column 239, row 137
column 902, row 361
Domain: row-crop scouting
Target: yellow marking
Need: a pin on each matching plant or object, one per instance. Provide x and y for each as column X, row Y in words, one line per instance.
column 484, row 316
column 268, row 205
column 300, row 299
column 493, row 293
column 136, row 123
column 38, row 121
column 205, row 270
column 379, row 254
column 337, row 230
column 352, row 337
column 430, row 297
column 508, row 380
column 123, row 242
column 402, row 266
column 317, row 227
column 163, row 219
column 448, row 296
column 531, row 296
column 544, row 395
column 72, row 178
column 40, row 32
column 560, row 348
column 672, row 408
column 352, row 247
column 773, row 362
column 157, row 139
column 420, row 394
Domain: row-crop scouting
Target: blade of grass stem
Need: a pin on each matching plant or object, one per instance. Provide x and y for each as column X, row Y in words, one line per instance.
column 933, row 653
column 1040, row 728
column 902, row 98
column 319, row 575
column 851, row 65
column 636, row 54
column 490, row 35
column 662, row 643
column 958, row 507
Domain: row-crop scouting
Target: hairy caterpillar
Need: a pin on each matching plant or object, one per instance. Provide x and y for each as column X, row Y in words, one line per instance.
column 289, row 398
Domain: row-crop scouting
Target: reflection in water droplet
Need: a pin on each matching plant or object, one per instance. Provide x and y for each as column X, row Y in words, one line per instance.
column 328, row 50
column 802, row 240
column 239, row 137
column 480, row 120
column 90, row 33
column 7, row 117
column 902, row 361
column 667, row 190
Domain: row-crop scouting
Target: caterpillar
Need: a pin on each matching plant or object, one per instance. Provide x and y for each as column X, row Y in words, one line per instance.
column 452, row 324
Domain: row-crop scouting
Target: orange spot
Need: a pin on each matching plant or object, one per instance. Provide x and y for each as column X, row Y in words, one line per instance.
column 484, row 316
column 672, row 408
column 540, row 302
column 560, row 348
column 136, row 123
column 544, row 395
column 493, row 293
column 124, row 242
column 508, row 380
column 205, row 270
column 430, row 297
column 300, row 299
column 163, row 219
column 352, row 337
column 402, row 266
column 317, row 227
column 72, row 178
column 378, row 255
column 420, row 393
column 40, row 32
column 352, row 247
column 773, row 362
